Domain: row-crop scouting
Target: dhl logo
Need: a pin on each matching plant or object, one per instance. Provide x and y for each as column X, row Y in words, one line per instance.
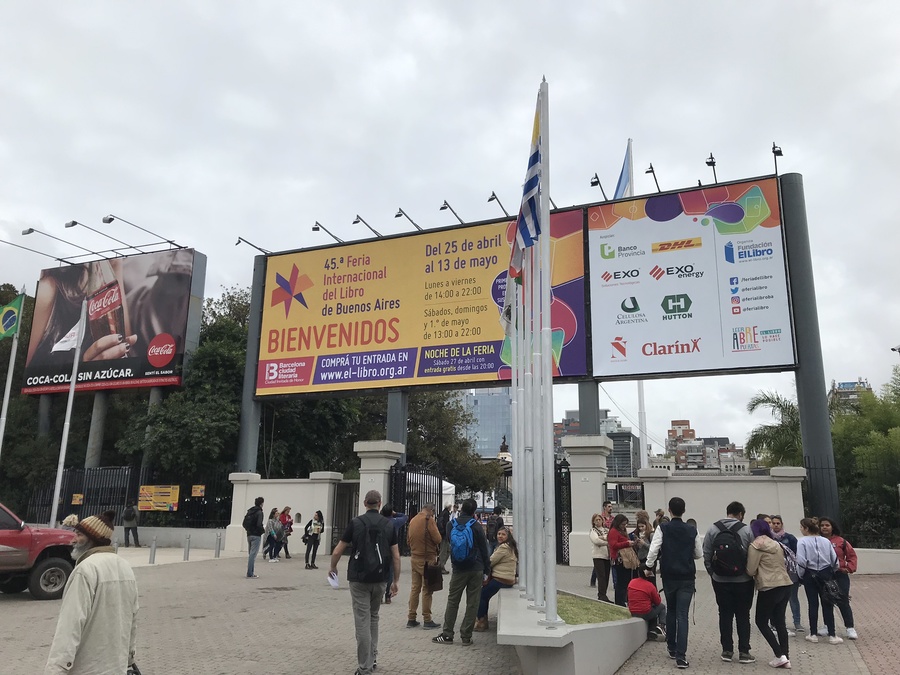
column 677, row 245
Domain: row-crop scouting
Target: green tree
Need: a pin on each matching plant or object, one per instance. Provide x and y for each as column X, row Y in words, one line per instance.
column 777, row 443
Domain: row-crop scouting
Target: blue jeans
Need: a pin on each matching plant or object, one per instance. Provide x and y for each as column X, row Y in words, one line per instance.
column 812, row 598
column 679, row 594
column 795, row 604
column 253, row 541
column 488, row 592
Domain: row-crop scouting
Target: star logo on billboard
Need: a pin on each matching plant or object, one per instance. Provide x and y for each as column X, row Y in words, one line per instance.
column 291, row 289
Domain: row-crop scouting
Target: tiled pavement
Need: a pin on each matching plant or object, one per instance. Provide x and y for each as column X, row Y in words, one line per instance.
column 205, row 617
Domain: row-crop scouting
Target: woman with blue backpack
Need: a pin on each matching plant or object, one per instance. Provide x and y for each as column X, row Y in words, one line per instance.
column 766, row 564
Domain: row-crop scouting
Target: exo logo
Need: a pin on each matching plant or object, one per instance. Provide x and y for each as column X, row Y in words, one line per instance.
column 676, row 304
column 657, row 272
column 622, row 274
column 686, row 271
column 607, row 252
column 677, row 245
column 630, row 305
column 618, row 348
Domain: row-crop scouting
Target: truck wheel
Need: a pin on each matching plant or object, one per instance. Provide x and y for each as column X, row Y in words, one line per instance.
column 48, row 578
column 14, row 585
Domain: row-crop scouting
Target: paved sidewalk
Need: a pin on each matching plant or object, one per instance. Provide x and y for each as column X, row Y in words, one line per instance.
column 206, row 617
column 877, row 652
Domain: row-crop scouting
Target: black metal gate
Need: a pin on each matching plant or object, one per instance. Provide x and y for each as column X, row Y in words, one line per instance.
column 563, row 511
column 346, row 500
column 411, row 487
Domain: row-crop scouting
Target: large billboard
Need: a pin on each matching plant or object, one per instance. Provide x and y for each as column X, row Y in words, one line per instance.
column 690, row 282
column 421, row 309
column 143, row 315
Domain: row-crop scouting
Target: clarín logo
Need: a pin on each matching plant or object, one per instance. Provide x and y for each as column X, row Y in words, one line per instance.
column 619, row 353
column 677, row 245
column 677, row 347
column 676, row 307
column 291, row 289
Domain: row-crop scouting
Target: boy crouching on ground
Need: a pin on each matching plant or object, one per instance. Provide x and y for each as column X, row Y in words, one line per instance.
column 645, row 603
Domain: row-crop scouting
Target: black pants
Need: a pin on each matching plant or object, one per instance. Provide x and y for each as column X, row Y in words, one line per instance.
column 312, row 547
column 133, row 531
column 771, row 606
column 734, row 600
column 843, row 582
column 622, row 578
column 601, row 570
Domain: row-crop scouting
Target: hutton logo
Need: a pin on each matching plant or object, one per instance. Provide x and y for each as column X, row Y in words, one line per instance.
column 677, row 245
column 676, row 307
column 618, row 349
column 291, row 289
column 607, row 252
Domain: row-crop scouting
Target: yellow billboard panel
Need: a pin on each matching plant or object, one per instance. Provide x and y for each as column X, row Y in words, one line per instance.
column 158, row 498
column 416, row 310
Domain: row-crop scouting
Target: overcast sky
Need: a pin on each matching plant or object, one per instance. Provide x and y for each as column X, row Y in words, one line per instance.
column 206, row 121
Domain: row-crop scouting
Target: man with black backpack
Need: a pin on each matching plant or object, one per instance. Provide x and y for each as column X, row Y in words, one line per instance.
column 471, row 567
column 129, row 522
column 253, row 525
column 725, row 556
column 373, row 547
column 494, row 523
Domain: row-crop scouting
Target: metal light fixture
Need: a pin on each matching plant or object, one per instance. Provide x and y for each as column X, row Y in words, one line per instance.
column 446, row 206
column 111, row 217
column 401, row 212
column 595, row 182
column 250, row 243
column 776, row 153
column 495, row 198
column 73, row 223
column 31, row 230
column 46, row 255
column 360, row 219
column 318, row 226
column 711, row 162
column 653, row 171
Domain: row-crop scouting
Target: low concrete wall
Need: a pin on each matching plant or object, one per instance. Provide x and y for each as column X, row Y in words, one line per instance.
column 878, row 561
column 589, row 649
column 173, row 537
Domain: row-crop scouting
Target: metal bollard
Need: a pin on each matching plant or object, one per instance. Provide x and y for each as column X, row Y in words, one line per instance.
column 152, row 560
column 218, row 544
column 116, row 546
column 187, row 547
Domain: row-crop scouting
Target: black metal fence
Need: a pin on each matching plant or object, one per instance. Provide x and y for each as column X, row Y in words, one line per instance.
column 411, row 487
column 563, row 511
column 111, row 488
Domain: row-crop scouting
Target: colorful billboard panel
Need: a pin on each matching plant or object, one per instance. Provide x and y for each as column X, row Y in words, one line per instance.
column 143, row 314
column 690, row 282
column 416, row 310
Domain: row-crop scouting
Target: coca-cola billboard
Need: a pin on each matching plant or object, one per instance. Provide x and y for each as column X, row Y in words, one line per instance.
column 143, row 316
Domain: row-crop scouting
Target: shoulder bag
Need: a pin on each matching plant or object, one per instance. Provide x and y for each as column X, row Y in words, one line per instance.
column 434, row 577
column 630, row 560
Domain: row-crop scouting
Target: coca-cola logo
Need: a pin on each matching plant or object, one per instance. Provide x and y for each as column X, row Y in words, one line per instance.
column 161, row 350
column 105, row 300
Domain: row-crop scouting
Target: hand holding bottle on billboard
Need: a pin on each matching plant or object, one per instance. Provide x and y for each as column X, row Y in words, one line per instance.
column 107, row 313
column 109, row 347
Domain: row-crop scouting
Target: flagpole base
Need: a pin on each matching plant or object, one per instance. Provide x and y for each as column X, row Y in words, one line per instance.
column 537, row 608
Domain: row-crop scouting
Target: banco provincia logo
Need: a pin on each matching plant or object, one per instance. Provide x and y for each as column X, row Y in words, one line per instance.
column 291, row 289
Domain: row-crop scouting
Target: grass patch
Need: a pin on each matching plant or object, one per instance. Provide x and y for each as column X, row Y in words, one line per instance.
column 575, row 610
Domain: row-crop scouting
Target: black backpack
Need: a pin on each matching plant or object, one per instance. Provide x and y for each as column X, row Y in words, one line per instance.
column 371, row 552
column 249, row 520
column 493, row 524
column 729, row 558
column 129, row 513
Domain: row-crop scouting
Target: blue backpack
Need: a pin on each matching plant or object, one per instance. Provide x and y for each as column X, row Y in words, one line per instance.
column 462, row 544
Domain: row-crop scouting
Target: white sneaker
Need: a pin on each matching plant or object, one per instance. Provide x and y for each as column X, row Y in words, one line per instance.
column 851, row 633
column 823, row 632
column 812, row 638
column 791, row 633
column 779, row 662
column 273, row 559
column 835, row 640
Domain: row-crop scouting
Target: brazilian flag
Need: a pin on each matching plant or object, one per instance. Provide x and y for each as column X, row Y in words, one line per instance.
column 9, row 317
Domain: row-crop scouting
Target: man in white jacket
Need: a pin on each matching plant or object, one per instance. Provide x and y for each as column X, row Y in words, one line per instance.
column 96, row 628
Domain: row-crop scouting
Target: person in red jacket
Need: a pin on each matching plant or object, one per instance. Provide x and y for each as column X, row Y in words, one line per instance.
column 644, row 602
column 617, row 540
column 846, row 566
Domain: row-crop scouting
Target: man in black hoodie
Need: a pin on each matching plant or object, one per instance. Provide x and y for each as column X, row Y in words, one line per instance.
column 468, row 574
column 677, row 545
column 253, row 523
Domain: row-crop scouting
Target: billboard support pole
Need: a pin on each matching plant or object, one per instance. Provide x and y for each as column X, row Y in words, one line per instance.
column 248, row 438
column 589, row 407
column 156, row 397
column 397, row 416
column 65, row 438
column 98, row 425
column 815, row 422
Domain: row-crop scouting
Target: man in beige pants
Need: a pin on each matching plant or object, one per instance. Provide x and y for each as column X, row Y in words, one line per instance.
column 424, row 540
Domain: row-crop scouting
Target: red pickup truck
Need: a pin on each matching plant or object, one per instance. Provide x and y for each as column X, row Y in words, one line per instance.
column 36, row 558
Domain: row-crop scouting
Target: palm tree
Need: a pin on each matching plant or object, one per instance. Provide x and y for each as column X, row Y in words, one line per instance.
column 778, row 443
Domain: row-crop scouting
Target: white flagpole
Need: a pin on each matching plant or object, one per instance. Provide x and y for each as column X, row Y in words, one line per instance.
column 518, row 493
column 65, row 437
column 525, row 563
column 533, row 549
column 9, row 376
column 537, row 431
column 549, row 458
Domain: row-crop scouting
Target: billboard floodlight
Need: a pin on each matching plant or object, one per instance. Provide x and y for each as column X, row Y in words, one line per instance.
column 595, row 182
column 250, row 243
column 711, row 162
column 31, row 230
column 360, row 219
column 318, row 226
column 404, row 214
column 73, row 223
column 446, row 206
column 495, row 198
column 776, row 153
column 653, row 171
column 111, row 217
